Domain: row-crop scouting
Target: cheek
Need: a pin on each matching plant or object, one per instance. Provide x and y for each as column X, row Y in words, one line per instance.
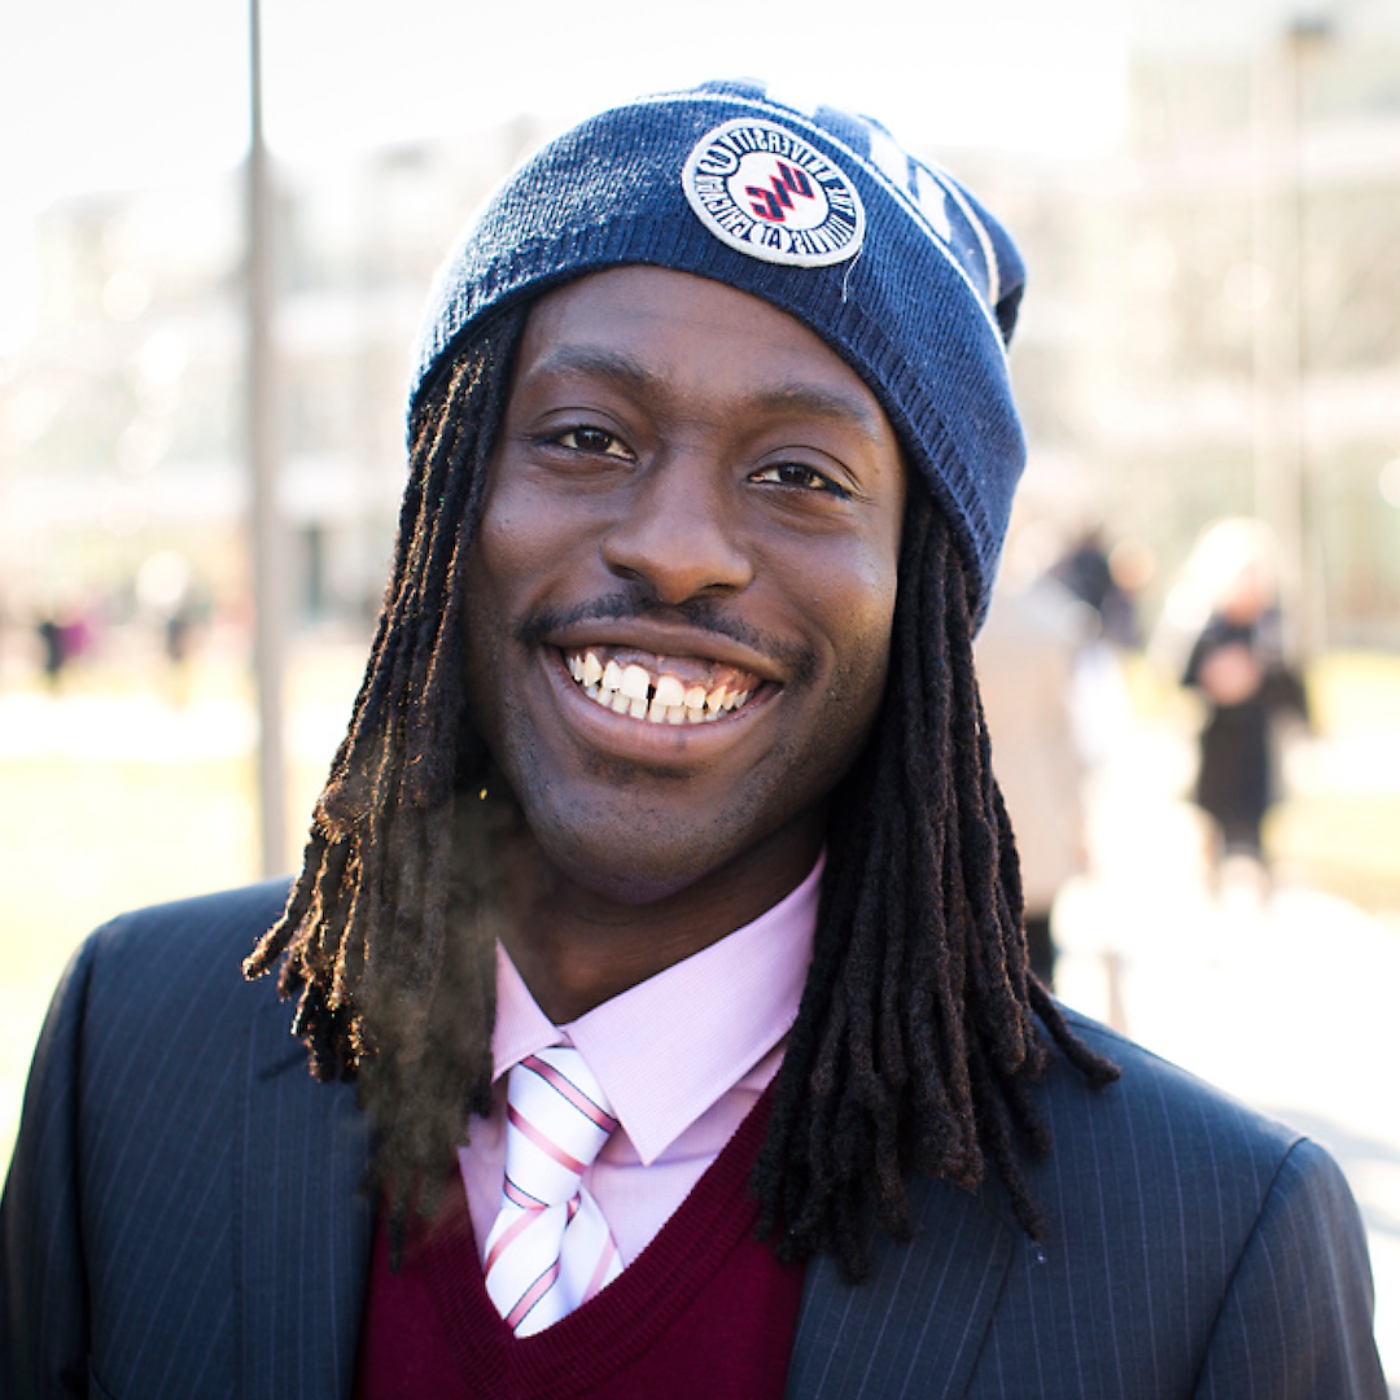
column 869, row 617
column 519, row 544
column 481, row 644
column 489, row 609
column 510, row 539
column 851, row 602
column 863, row 667
column 855, row 596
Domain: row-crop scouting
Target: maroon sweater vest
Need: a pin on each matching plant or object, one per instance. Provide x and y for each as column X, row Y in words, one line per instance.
column 703, row 1311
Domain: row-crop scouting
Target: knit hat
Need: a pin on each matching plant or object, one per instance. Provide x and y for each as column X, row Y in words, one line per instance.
column 821, row 213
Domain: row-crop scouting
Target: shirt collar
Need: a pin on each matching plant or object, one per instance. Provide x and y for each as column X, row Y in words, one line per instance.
column 704, row 1022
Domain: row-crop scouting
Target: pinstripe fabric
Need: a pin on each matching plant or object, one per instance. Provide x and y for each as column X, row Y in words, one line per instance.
column 181, row 1221
column 144, row 1212
column 1195, row 1249
column 916, row 1328
column 306, row 1230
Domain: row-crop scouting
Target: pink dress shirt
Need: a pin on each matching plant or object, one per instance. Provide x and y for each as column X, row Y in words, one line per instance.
column 682, row 1058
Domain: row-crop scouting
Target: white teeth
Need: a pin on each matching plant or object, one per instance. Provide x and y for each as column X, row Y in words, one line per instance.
column 669, row 691
column 630, row 690
column 636, row 683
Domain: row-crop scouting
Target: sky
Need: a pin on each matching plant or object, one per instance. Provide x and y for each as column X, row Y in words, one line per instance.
column 102, row 95
column 95, row 94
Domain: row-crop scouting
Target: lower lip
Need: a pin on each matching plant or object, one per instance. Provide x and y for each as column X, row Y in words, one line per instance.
column 645, row 739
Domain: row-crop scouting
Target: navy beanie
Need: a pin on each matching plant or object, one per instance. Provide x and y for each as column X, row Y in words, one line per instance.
column 821, row 213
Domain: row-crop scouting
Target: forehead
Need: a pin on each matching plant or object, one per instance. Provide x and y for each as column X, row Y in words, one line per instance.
column 680, row 334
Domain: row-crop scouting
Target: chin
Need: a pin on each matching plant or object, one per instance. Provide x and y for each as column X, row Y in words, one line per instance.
column 624, row 871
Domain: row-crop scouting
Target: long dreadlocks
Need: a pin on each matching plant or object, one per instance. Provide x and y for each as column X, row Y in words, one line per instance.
column 916, row 1041
column 386, row 996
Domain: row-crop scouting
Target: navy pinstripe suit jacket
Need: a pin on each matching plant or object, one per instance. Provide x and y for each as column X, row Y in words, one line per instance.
column 181, row 1220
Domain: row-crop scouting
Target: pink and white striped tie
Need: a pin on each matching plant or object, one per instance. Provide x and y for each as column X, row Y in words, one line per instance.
column 550, row 1249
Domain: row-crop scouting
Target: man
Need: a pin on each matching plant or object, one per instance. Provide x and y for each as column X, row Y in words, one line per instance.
column 661, row 901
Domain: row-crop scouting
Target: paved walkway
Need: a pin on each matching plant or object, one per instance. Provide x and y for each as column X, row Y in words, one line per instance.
column 1285, row 998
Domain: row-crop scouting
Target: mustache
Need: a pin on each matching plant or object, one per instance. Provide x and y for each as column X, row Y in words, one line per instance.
column 702, row 614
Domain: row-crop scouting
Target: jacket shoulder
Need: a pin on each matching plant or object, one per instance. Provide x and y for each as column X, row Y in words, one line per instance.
column 150, row 968
column 1180, row 1106
column 1182, row 1223
column 231, row 920
column 121, row 1197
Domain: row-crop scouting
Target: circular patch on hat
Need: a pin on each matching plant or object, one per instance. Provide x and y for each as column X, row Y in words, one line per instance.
column 762, row 189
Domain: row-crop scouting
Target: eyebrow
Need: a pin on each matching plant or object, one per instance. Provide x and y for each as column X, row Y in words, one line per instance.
column 793, row 397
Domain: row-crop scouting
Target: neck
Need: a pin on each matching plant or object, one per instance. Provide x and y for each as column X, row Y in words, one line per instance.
column 576, row 947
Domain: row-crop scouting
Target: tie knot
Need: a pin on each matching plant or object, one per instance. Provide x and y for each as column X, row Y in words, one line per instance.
column 558, row 1120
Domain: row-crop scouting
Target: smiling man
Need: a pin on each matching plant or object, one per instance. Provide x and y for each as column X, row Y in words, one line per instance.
column 679, row 608
column 661, row 903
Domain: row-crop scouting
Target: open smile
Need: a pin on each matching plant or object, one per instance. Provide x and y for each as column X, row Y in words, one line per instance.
column 660, row 689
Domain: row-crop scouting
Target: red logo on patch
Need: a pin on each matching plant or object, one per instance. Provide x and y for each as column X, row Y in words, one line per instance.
column 771, row 203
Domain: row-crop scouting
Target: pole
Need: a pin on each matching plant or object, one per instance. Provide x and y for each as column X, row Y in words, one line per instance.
column 267, row 552
column 1283, row 475
column 1307, row 36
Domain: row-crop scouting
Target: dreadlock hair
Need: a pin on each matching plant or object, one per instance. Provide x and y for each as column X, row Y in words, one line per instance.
column 388, row 995
column 916, row 1042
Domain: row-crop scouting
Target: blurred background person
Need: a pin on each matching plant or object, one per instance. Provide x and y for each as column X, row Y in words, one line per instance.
column 1028, row 655
column 67, row 631
column 1238, row 666
column 1087, row 571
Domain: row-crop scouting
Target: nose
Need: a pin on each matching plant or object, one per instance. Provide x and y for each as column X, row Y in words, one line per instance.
column 679, row 534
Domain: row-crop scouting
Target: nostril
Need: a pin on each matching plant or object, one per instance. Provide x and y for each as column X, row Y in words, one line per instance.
column 680, row 563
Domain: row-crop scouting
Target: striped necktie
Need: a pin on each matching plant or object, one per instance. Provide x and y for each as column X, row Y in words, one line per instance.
column 550, row 1249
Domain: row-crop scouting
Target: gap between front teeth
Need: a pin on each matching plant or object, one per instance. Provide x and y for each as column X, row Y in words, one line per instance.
column 631, row 690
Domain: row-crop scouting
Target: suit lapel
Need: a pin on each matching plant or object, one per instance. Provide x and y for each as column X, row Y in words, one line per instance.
column 305, row 1228
column 915, row 1327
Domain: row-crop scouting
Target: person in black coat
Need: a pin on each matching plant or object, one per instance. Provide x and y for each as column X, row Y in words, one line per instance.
column 1237, row 664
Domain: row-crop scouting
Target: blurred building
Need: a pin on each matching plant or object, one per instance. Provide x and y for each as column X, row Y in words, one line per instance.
column 1214, row 320
column 121, row 420
column 1213, row 329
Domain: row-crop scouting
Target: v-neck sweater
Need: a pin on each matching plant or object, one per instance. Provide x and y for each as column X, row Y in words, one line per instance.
column 704, row 1310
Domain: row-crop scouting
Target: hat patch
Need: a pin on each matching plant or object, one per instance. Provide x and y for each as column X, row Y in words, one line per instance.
column 766, row 192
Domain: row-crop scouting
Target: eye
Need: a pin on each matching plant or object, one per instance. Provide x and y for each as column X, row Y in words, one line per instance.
column 586, row 438
column 800, row 476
